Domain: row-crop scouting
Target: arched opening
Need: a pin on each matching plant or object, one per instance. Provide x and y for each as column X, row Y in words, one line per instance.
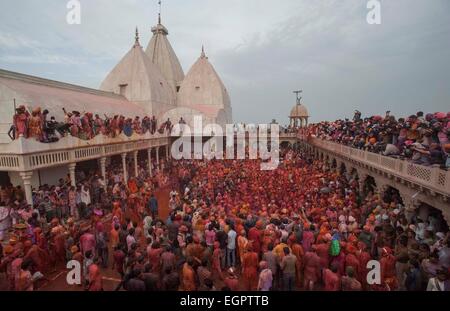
column 285, row 144
column 4, row 179
column 369, row 185
column 342, row 169
column 432, row 219
column 87, row 168
column 392, row 195
column 334, row 165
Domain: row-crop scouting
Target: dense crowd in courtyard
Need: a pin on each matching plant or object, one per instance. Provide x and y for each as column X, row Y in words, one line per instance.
column 231, row 226
column 422, row 138
column 38, row 125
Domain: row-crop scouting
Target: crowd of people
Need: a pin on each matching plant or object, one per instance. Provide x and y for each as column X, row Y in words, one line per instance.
column 46, row 231
column 422, row 138
column 231, row 226
column 38, row 125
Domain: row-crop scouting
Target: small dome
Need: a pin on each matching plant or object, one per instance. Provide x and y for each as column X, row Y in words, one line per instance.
column 299, row 111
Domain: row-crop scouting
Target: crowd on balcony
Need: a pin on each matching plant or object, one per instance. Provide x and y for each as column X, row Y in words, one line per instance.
column 422, row 138
column 231, row 226
column 37, row 124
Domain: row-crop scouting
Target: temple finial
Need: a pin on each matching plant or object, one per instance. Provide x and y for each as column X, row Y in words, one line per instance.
column 203, row 55
column 136, row 43
column 299, row 98
column 159, row 13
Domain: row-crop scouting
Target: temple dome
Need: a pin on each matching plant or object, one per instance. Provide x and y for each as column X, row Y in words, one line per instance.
column 161, row 53
column 299, row 111
column 140, row 81
column 203, row 90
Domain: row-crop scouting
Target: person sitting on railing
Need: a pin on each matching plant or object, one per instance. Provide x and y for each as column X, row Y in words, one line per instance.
column 35, row 124
column 424, row 155
column 81, row 125
column 75, row 124
column 86, row 123
column 50, row 130
column 20, row 122
column 388, row 135
column 99, row 126
column 146, row 125
column 44, row 125
column 114, row 126
column 121, row 123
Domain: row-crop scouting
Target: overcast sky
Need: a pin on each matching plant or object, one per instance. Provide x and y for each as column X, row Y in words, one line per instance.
column 263, row 50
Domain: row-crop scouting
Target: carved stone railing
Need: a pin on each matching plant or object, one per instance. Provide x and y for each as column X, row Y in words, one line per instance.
column 27, row 154
column 431, row 178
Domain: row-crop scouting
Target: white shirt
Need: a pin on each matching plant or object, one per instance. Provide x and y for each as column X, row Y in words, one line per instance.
column 433, row 284
column 130, row 241
column 85, row 195
column 231, row 239
column 5, row 219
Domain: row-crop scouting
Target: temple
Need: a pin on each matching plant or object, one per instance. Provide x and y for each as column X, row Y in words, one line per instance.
column 154, row 79
column 142, row 83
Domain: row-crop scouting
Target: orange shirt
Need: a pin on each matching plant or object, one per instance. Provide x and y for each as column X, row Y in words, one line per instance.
column 188, row 276
column 114, row 235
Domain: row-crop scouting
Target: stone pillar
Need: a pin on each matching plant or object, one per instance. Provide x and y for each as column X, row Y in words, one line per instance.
column 73, row 181
column 338, row 165
column 135, row 159
column 124, row 166
column 167, row 152
column 103, row 169
column 26, row 177
column 157, row 157
column 149, row 151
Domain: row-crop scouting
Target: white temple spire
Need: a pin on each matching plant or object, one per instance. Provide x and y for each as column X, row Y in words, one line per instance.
column 163, row 56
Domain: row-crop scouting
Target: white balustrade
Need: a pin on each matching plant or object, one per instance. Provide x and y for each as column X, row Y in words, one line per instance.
column 27, row 155
column 432, row 178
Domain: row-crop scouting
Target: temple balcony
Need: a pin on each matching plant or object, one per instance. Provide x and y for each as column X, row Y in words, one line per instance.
column 417, row 184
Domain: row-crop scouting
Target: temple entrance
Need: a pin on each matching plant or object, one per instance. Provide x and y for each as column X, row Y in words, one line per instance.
column 369, row 185
column 4, row 179
column 432, row 217
column 87, row 168
column 392, row 195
